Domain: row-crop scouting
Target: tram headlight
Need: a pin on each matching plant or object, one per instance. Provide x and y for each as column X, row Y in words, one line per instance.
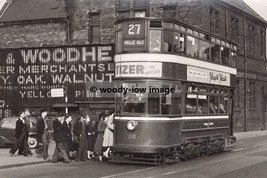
column 131, row 125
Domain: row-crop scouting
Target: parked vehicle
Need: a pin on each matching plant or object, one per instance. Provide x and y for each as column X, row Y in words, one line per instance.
column 7, row 129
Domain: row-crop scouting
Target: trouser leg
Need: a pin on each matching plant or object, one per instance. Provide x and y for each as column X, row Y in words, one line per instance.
column 56, row 153
column 84, row 153
column 66, row 146
column 62, row 151
column 16, row 146
column 45, row 139
column 80, row 150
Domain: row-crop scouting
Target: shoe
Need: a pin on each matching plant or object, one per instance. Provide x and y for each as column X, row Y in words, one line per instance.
column 27, row 155
column 11, row 154
column 100, row 158
column 77, row 160
column 89, row 157
column 105, row 154
column 68, row 161
column 47, row 159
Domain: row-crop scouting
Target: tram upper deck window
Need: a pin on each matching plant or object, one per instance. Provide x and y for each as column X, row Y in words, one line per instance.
column 192, row 46
column 225, row 52
column 204, row 50
column 167, row 41
column 232, row 58
column 155, row 40
column 215, row 53
column 178, row 42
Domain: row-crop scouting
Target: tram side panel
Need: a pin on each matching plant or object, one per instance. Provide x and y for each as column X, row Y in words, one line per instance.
column 148, row 136
column 199, row 129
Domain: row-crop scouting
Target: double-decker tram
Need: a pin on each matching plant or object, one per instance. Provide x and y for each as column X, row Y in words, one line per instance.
column 180, row 82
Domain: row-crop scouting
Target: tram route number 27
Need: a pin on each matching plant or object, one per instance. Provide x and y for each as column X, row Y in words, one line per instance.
column 134, row 29
column 131, row 136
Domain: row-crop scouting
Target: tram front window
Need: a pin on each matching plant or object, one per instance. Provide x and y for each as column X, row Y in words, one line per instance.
column 133, row 101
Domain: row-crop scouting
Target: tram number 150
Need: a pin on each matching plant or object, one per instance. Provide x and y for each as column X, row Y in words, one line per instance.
column 131, row 136
column 134, row 29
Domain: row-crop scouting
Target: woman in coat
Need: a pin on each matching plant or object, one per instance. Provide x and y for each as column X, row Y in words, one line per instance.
column 101, row 126
column 108, row 133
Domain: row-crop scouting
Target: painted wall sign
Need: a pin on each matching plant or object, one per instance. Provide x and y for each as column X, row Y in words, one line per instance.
column 201, row 75
column 28, row 75
column 138, row 69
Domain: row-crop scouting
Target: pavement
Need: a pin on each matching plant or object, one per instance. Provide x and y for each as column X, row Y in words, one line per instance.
column 6, row 161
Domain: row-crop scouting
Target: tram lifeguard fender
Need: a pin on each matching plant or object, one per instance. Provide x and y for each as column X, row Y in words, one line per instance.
column 130, row 69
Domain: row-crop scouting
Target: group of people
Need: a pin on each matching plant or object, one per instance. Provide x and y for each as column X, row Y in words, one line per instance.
column 93, row 137
column 78, row 139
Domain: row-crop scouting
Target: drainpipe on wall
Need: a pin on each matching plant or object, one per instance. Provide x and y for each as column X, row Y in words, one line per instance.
column 67, row 30
column 245, row 75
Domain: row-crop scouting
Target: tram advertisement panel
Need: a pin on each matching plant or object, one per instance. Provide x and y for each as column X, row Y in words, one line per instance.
column 27, row 75
column 207, row 76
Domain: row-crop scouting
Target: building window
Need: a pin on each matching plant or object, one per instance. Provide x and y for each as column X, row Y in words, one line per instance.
column 140, row 14
column 237, row 95
column 252, row 95
column 251, row 39
column 214, row 21
column 124, row 4
column 131, row 8
column 234, row 29
column 139, row 7
column 139, row 4
column 95, row 27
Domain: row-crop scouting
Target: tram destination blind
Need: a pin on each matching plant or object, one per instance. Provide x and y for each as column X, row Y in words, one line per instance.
column 134, row 36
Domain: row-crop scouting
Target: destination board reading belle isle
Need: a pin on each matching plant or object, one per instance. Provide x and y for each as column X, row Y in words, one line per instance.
column 27, row 75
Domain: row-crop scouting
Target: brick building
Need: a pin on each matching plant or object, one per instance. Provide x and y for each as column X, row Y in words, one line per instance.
column 41, row 23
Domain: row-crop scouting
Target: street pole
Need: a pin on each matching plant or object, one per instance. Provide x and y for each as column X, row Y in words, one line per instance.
column 66, row 100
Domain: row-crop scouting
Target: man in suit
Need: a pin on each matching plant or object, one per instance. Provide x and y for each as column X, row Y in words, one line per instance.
column 20, row 134
column 27, row 114
column 43, row 134
column 79, row 130
column 67, row 134
column 59, row 139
